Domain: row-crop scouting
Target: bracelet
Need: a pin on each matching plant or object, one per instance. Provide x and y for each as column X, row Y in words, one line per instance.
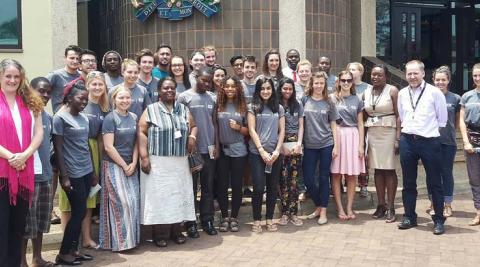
column 275, row 152
column 193, row 137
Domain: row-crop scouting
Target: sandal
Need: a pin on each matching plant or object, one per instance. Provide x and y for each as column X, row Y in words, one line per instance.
column 342, row 216
column 257, row 228
column 390, row 216
column 234, row 225
column 379, row 212
column 296, row 221
column 271, row 227
column 223, row 225
column 447, row 211
column 54, row 219
column 475, row 221
column 351, row 216
column 283, row 220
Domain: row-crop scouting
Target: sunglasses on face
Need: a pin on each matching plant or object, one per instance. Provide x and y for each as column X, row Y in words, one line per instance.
column 346, row 80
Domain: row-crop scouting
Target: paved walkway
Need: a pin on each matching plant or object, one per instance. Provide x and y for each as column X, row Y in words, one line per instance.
column 362, row 242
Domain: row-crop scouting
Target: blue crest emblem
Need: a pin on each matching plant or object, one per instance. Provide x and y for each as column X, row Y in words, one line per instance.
column 174, row 9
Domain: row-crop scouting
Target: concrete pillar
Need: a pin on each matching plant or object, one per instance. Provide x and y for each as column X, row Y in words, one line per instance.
column 292, row 29
column 64, row 28
column 364, row 29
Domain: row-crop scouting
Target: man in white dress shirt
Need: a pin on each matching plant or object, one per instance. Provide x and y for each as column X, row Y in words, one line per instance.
column 422, row 111
column 292, row 58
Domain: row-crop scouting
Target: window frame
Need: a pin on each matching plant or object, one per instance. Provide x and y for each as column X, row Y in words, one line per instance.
column 18, row 46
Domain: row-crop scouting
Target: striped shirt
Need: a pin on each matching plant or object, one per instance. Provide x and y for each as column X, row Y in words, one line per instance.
column 162, row 127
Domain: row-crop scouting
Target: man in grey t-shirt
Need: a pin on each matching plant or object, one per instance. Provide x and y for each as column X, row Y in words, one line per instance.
column 202, row 106
column 61, row 77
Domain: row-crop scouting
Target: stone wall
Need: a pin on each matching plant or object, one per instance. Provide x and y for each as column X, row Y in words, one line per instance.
column 248, row 27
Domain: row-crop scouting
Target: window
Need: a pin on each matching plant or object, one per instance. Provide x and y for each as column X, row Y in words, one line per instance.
column 383, row 29
column 10, row 24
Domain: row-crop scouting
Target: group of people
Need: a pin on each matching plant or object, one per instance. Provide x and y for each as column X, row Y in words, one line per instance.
column 128, row 136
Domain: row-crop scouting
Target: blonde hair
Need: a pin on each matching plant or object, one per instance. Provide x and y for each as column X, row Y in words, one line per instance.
column 304, row 62
column 418, row 62
column 103, row 101
column 129, row 62
column 31, row 99
column 476, row 67
column 358, row 65
column 116, row 90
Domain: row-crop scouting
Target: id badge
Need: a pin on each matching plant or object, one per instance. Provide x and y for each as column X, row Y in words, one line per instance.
column 374, row 119
column 177, row 134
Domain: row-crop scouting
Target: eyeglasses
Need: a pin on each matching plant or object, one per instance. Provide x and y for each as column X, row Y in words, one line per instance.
column 89, row 61
column 177, row 65
column 346, row 80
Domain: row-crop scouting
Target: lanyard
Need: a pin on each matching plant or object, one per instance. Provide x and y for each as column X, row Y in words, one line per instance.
column 414, row 107
column 373, row 101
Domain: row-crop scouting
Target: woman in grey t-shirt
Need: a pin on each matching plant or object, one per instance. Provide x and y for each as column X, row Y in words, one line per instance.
column 441, row 79
column 266, row 125
column 292, row 152
column 351, row 149
column 232, row 128
column 70, row 139
column 470, row 129
column 320, row 116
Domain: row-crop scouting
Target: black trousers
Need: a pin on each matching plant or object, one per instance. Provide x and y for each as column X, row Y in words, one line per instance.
column 262, row 180
column 78, row 202
column 230, row 172
column 12, row 227
column 206, row 178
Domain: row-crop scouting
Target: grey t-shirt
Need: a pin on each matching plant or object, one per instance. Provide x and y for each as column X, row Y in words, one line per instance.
column 318, row 114
column 471, row 102
column 248, row 91
column 180, row 89
column 331, row 83
column 74, row 130
column 348, row 109
column 299, row 91
column 95, row 118
column 360, row 88
column 201, row 107
column 44, row 150
column 58, row 79
column 266, row 127
column 140, row 99
column 112, row 82
column 232, row 141
column 124, row 128
column 447, row 133
column 292, row 118
column 152, row 88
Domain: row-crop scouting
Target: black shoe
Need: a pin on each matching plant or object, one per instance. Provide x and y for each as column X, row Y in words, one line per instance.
column 161, row 243
column 380, row 212
column 209, row 228
column 192, row 231
column 179, row 239
column 60, row 261
column 438, row 228
column 83, row 257
column 406, row 223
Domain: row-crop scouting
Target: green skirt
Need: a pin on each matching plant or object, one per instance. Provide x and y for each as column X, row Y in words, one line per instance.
column 63, row 203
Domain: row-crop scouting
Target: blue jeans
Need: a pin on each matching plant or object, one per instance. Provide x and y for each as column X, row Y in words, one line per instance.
column 318, row 187
column 260, row 179
column 446, row 172
column 413, row 148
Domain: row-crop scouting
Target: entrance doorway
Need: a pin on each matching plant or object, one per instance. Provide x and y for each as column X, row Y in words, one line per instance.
column 437, row 32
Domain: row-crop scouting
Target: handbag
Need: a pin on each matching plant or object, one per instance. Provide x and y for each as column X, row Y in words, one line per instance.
column 195, row 161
